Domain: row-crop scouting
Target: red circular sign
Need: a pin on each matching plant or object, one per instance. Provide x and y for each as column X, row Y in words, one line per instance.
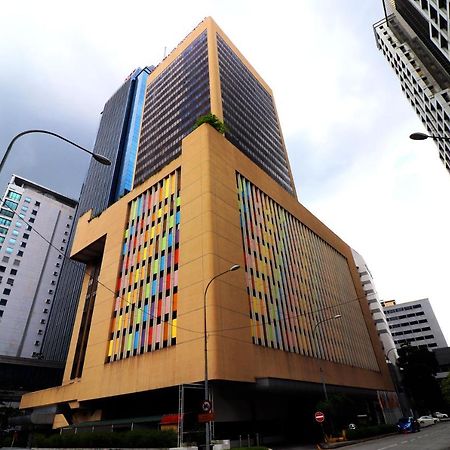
column 319, row 416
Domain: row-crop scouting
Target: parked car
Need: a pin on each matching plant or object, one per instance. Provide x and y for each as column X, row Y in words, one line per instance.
column 440, row 415
column 407, row 425
column 426, row 421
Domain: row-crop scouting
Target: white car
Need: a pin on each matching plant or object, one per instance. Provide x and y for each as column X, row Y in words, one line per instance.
column 426, row 421
column 440, row 415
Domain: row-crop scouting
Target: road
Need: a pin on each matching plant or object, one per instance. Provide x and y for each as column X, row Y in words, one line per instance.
column 436, row 437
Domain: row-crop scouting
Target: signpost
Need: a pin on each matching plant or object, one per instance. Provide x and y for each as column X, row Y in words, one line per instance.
column 319, row 416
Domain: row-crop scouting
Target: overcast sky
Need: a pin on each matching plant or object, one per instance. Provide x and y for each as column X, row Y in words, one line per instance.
column 344, row 118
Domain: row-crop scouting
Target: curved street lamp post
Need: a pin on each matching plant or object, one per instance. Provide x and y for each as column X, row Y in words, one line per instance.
column 423, row 136
column 205, row 338
column 316, row 341
column 100, row 158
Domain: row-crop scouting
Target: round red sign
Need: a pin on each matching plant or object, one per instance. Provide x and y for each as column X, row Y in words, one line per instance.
column 319, row 416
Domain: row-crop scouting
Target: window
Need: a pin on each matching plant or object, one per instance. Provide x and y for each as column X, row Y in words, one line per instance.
column 6, row 212
column 13, row 271
column 53, row 282
column 10, row 205
column 9, row 250
column 1, row 313
column 18, row 224
column 20, row 253
column 2, row 268
column 24, row 208
column 2, row 239
column 29, row 228
column 27, row 199
column 50, row 291
column 3, row 230
column 64, row 241
column 36, row 343
column 59, row 256
column 5, row 222
column 16, row 262
column 57, row 265
column 15, row 233
column 37, row 203
column 31, row 220
column 6, row 291
column 3, row 301
column 45, row 311
column 14, row 195
column 10, row 281
column 5, row 259
column 23, row 244
column 42, row 321
column 22, row 216
column 34, row 212
column 40, row 332
column 26, row 235
column 47, row 301
column 70, row 217
column 12, row 241
column 55, row 274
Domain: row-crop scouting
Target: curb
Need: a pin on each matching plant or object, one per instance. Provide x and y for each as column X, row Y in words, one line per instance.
column 324, row 446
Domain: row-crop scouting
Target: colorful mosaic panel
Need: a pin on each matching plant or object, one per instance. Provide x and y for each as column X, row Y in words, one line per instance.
column 294, row 280
column 145, row 312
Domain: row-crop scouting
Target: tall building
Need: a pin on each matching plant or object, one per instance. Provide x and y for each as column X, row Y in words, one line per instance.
column 208, row 204
column 376, row 307
column 30, row 266
column 117, row 139
column 414, row 323
column 210, row 75
column 414, row 38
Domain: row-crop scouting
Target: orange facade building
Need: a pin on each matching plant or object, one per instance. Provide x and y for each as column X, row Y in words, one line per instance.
column 139, row 332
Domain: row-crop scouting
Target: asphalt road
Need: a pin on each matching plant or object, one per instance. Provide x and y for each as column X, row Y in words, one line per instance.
column 435, row 437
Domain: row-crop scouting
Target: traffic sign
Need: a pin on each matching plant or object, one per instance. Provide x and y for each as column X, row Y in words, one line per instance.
column 206, row 406
column 319, row 416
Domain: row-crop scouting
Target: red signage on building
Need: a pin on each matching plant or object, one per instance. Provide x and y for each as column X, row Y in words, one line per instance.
column 207, row 417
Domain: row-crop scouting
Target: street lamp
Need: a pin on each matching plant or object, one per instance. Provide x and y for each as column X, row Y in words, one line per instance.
column 205, row 338
column 423, row 136
column 316, row 341
column 100, row 158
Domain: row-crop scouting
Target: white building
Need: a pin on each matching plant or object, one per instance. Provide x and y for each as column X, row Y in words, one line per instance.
column 29, row 265
column 375, row 307
column 414, row 323
column 414, row 40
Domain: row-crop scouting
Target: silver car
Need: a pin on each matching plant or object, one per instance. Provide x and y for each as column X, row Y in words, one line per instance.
column 426, row 421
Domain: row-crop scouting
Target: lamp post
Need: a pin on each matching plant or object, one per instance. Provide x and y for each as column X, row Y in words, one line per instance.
column 316, row 341
column 205, row 340
column 423, row 136
column 100, row 158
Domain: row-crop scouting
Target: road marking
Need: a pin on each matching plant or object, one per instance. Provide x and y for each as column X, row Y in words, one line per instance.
column 389, row 446
column 403, row 442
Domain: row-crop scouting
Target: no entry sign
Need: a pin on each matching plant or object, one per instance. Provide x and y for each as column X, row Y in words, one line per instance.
column 319, row 416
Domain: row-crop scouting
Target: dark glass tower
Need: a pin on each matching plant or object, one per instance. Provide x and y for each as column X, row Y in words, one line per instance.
column 117, row 139
column 210, row 75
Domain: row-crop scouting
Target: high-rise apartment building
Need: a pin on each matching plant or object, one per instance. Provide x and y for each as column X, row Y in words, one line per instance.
column 414, row 38
column 117, row 139
column 376, row 307
column 202, row 203
column 414, row 323
column 30, row 266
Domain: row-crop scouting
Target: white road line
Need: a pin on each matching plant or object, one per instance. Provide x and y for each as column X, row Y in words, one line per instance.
column 403, row 442
column 389, row 446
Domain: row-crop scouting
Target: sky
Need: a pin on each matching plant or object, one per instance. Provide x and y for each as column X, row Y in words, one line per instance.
column 344, row 118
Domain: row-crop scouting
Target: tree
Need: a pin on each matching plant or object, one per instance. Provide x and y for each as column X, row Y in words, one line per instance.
column 445, row 388
column 213, row 120
column 419, row 367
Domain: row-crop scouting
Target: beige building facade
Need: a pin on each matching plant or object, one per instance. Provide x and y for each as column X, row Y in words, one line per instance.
column 217, row 201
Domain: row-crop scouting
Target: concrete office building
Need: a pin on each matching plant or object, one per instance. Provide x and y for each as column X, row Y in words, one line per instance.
column 117, row 139
column 414, row 323
column 30, row 266
column 376, row 308
column 138, row 335
column 414, row 38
